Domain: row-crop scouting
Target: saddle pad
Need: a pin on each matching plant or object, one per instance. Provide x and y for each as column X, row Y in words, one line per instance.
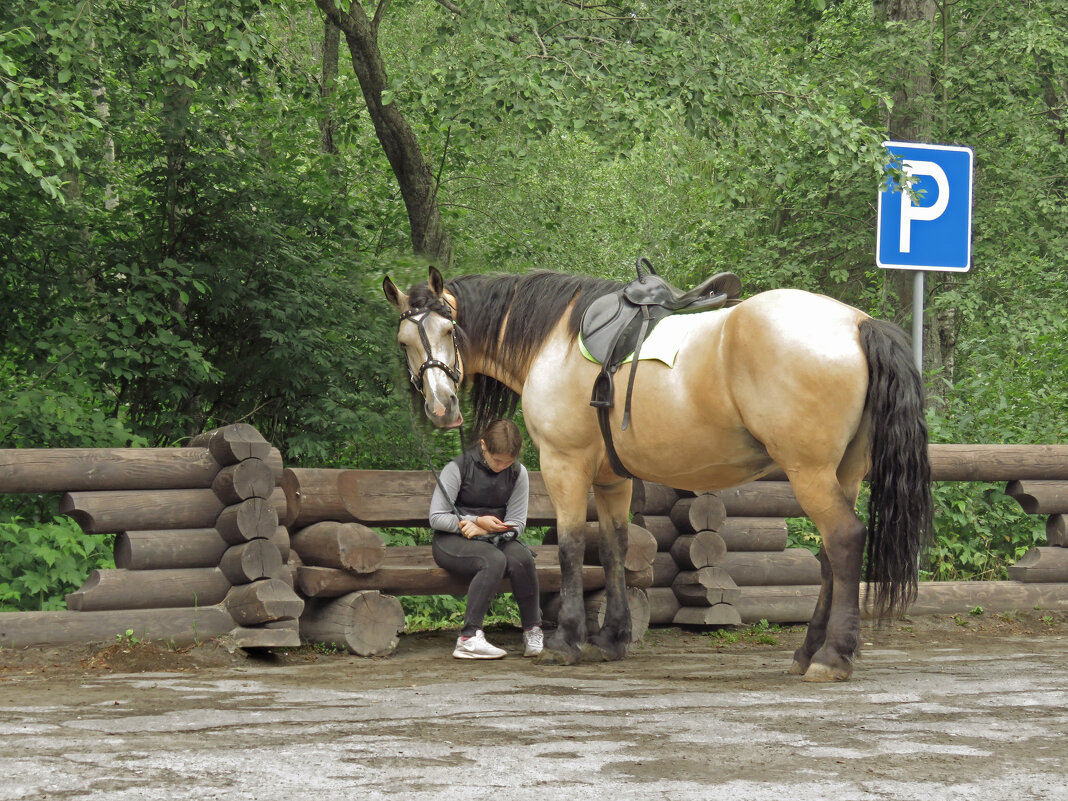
column 665, row 340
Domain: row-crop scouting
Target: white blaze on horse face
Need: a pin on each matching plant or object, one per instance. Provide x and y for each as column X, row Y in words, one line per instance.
column 439, row 392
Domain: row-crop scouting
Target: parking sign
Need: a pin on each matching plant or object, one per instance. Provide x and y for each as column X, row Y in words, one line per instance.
column 934, row 233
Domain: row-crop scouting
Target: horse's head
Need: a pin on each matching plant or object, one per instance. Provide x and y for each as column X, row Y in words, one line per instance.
column 427, row 334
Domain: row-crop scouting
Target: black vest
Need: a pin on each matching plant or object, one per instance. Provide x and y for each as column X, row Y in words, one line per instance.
column 483, row 492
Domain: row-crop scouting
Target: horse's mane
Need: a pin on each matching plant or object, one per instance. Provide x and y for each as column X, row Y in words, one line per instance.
column 532, row 304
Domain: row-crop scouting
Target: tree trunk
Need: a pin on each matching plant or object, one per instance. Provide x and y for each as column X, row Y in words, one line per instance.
column 416, row 182
column 331, row 41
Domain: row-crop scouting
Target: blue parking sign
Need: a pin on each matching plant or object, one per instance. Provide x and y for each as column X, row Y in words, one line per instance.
column 934, row 233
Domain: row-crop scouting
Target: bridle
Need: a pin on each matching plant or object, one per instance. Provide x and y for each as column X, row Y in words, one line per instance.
column 418, row 317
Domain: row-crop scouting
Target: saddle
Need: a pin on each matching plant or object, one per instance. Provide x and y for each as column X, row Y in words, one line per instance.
column 615, row 326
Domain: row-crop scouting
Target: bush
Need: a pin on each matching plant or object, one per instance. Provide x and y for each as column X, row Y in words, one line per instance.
column 40, row 562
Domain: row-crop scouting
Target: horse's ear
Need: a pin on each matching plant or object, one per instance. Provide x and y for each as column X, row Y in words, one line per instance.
column 397, row 299
column 436, row 282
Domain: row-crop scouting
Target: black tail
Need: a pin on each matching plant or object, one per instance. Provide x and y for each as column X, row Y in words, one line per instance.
column 900, row 508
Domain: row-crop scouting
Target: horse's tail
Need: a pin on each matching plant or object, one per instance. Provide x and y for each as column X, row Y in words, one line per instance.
column 900, row 508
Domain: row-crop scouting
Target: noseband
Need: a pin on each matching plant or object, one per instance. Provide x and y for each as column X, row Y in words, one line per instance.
column 418, row 317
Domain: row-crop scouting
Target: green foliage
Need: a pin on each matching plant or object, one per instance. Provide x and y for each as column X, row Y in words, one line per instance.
column 979, row 532
column 41, row 562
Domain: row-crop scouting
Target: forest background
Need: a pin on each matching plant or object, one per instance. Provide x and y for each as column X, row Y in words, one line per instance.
column 199, row 200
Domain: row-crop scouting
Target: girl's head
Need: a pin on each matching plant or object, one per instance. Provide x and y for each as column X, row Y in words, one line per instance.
column 501, row 444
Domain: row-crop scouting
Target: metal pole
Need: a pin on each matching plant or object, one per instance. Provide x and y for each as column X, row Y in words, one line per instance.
column 917, row 319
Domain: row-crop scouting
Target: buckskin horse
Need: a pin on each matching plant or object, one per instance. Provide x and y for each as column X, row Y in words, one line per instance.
column 784, row 378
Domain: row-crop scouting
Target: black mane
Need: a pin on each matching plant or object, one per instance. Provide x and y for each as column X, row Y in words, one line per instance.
column 532, row 304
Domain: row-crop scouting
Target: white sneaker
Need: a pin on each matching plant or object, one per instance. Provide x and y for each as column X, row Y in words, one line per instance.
column 476, row 647
column 533, row 641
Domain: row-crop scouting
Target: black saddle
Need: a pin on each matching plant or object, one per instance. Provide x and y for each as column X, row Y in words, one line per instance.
column 615, row 326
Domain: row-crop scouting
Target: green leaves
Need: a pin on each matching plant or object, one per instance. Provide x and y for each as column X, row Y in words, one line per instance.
column 41, row 562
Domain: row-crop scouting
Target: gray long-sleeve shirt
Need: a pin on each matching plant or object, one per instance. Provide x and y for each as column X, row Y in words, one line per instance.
column 443, row 518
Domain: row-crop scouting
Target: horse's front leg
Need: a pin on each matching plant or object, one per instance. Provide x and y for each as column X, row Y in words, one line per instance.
column 564, row 646
column 613, row 504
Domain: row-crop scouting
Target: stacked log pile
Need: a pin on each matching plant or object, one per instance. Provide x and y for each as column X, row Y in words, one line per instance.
column 1047, row 563
column 729, row 549
column 199, row 550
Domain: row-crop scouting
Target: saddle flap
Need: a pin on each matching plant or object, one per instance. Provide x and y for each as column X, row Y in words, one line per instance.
column 602, row 323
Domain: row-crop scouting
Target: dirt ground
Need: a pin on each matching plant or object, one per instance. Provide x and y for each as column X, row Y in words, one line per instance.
column 966, row 707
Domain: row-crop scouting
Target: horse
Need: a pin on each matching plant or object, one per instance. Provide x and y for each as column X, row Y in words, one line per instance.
column 783, row 379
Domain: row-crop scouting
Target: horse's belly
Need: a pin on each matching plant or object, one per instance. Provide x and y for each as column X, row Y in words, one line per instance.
column 687, row 439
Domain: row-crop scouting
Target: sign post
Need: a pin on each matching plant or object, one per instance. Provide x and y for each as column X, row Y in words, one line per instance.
column 931, row 227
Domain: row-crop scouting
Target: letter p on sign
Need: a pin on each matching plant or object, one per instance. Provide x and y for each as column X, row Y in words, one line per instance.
column 933, row 230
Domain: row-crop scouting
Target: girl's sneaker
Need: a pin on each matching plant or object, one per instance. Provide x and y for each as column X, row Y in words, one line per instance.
column 476, row 647
column 533, row 641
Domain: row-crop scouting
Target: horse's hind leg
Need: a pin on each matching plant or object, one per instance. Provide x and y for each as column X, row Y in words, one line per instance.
column 834, row 634
column 817, row 627
column 613, row 504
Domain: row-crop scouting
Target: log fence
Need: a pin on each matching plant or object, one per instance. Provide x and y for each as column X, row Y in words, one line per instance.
column 219, row 538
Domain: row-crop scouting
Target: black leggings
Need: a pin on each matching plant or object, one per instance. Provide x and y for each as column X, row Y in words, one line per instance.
column 488, row 564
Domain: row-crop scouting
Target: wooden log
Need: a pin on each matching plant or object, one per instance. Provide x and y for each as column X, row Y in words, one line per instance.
column 662, row 605
column 792, row 566
column 233, row 443
column 250, row 561
column 641, row 579
column 99, row 469
column 649, row 498
column 795, row 604
column 1057, row 530
column 778, row 604
column 1047, row 564
column 312, row 496
column 960, row 597
column 704, row 587
column 660, row 526
column 761, row 499
column 247, row 520
column 149, row 589
column 715, row 615
column 135, row 510
column 364, row 623
column 162, row 549
column 402, row 498
column 964, row 462
column 754, row 533
column 596, row 604
column 266, row 637
column 263, row 601
column 181, row 627
column 281, row 540
column 956, row 462
column 329, row 582
column 694, row 551
column 703, row 512
column 665, row 568
column 250, row 478
column 1040, row 497
column 348, row 546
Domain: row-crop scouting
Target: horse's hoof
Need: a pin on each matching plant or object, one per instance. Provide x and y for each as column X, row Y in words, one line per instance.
column 598, row 651
column 798, row 668
column 825, row 673
column 551, row 657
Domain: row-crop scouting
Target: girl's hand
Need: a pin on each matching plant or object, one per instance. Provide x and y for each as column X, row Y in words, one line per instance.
column 469, row 529
column 492, row 524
